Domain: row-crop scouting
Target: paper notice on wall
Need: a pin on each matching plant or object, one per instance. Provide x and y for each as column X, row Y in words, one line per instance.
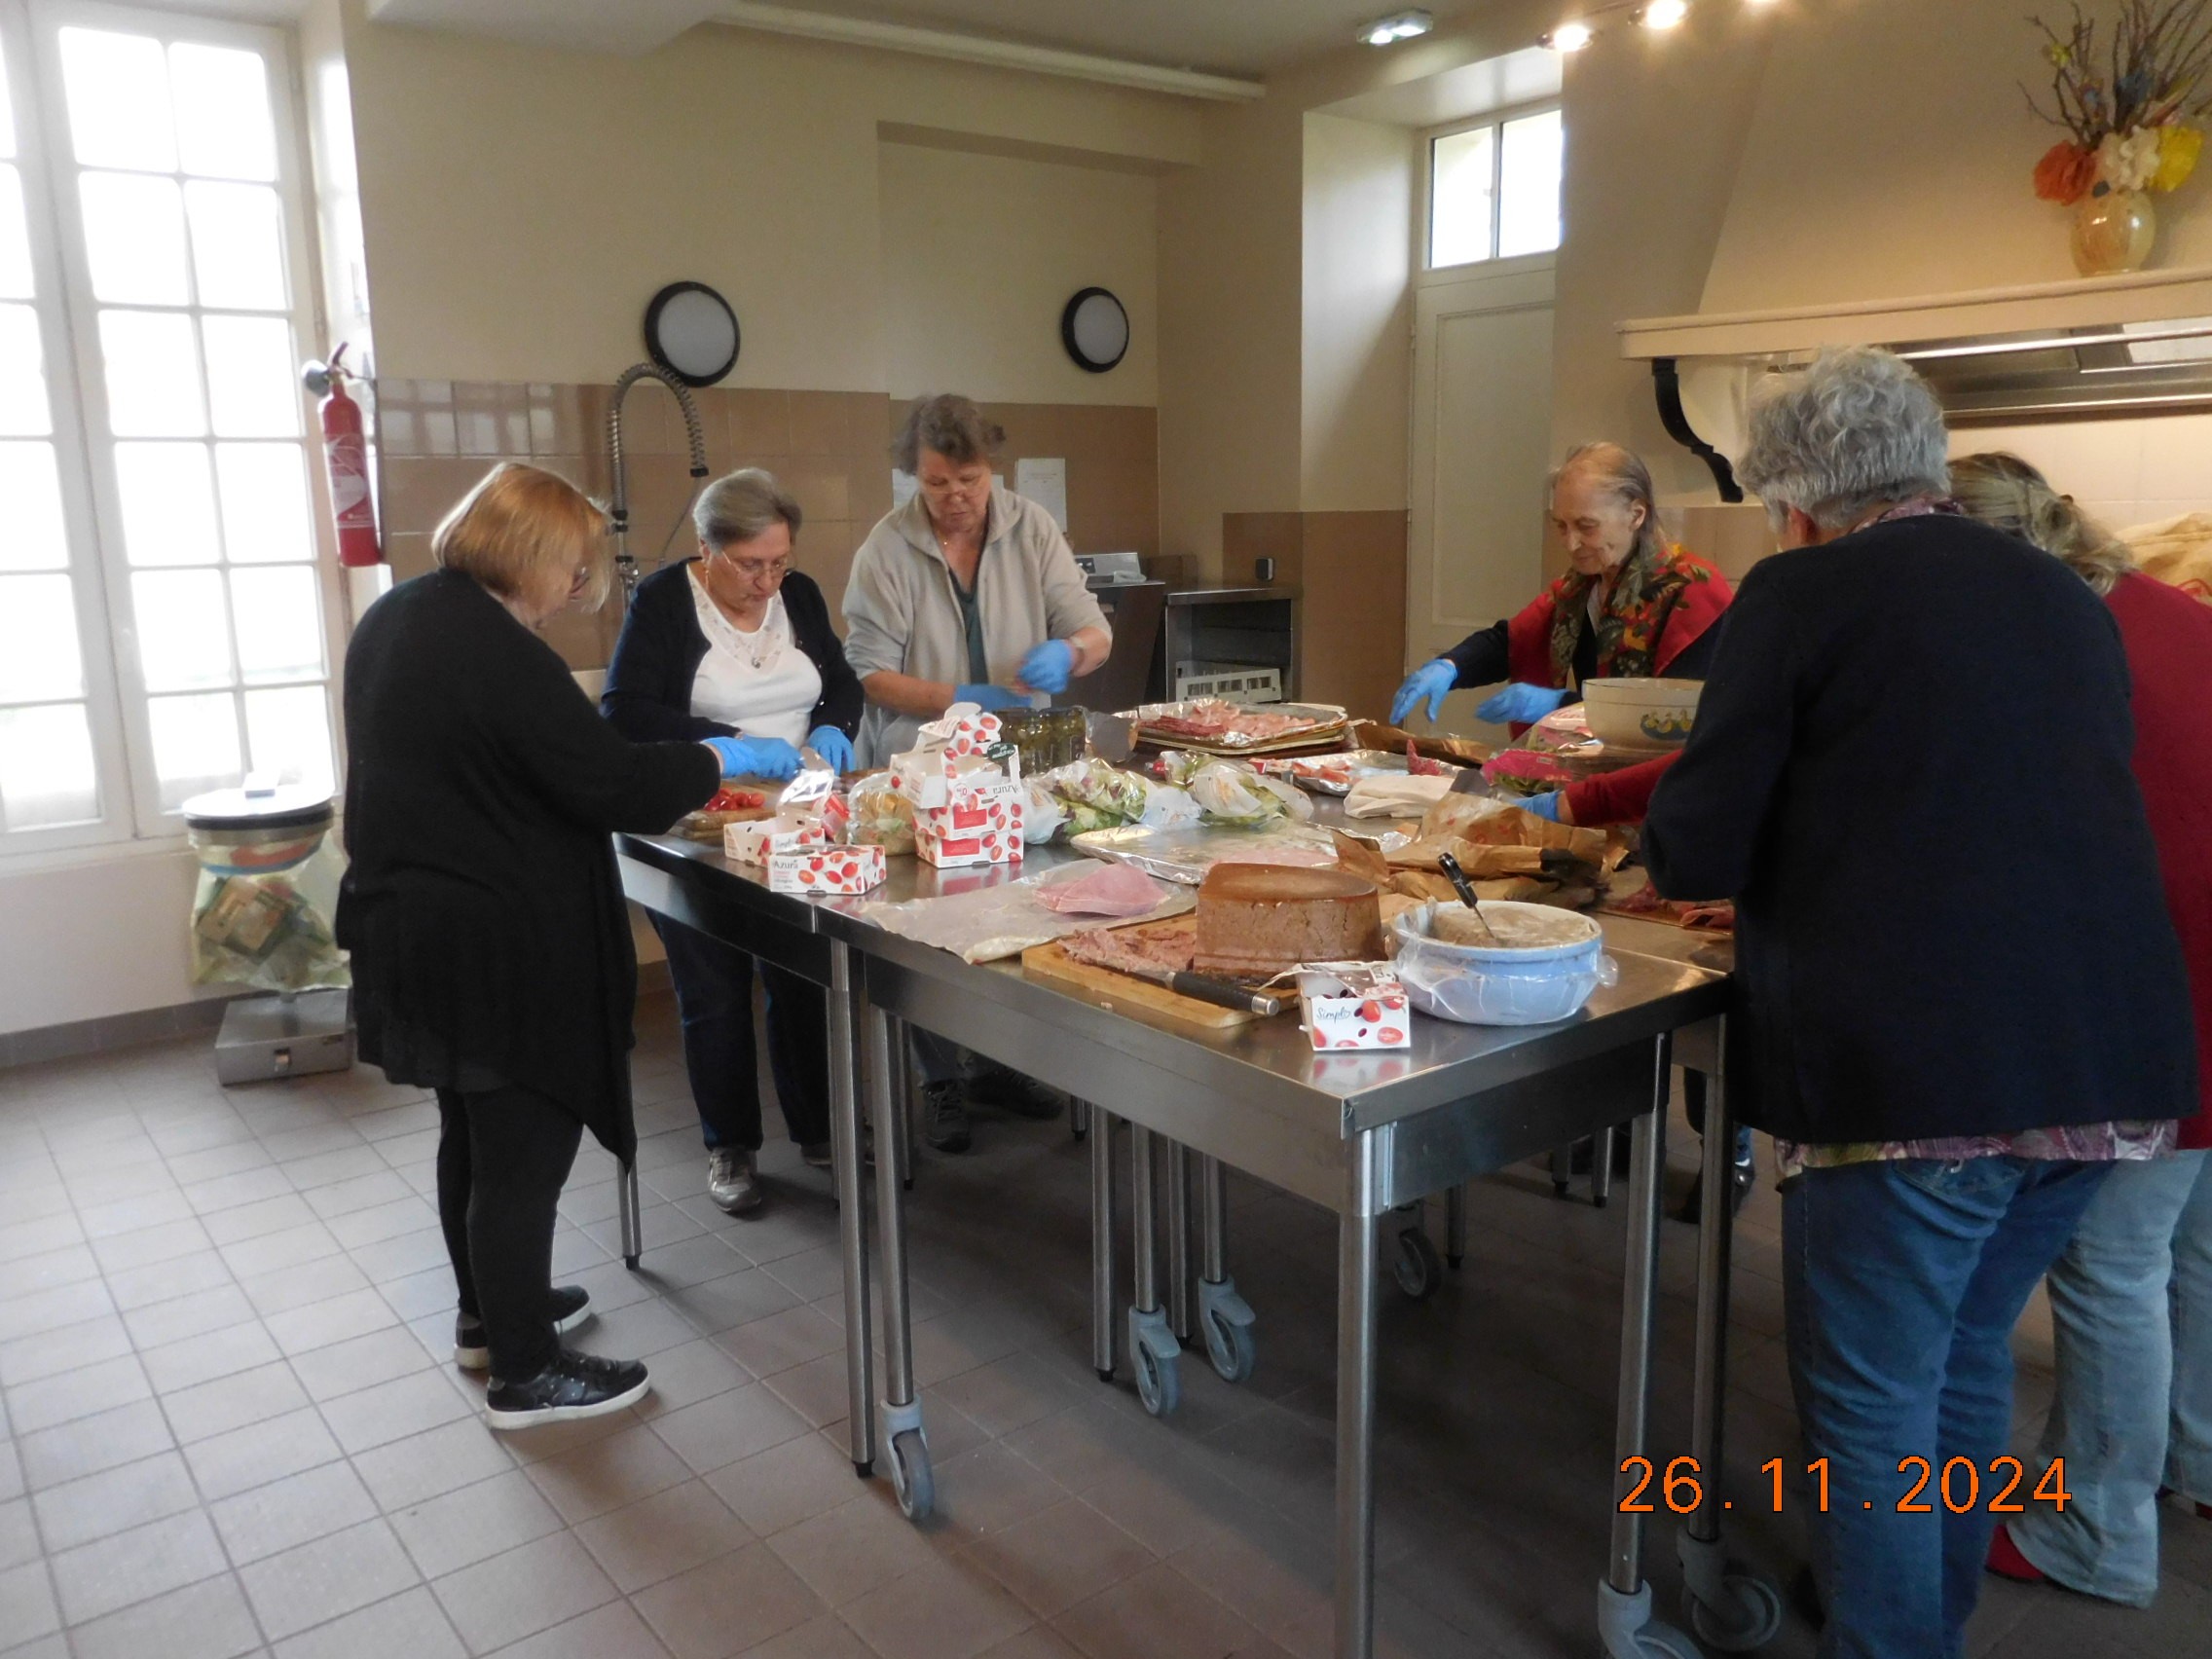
column 1045, row 481
column 902, row 487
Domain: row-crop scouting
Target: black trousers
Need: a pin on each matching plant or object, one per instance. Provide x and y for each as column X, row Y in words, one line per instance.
column 503, row 1157
column 714, row 995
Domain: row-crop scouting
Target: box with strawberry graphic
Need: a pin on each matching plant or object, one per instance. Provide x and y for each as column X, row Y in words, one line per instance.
column 979, row 822
column 826, row 869
column 1354, row 1005
column 757, row 842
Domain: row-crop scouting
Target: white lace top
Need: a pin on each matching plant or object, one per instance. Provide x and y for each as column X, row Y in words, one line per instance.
column 759, row 683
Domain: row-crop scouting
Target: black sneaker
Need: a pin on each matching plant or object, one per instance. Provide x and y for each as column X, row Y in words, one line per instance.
column 945, row 1117
column 572, row 1306
column 1742, row 1178
column 575, row 1385
column 814, row 1154
column 1011, row 1092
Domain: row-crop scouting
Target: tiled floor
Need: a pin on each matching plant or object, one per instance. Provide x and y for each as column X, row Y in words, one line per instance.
column 233, row 1427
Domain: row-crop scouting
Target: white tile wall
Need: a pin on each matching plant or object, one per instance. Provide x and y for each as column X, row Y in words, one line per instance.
column 2125, row 471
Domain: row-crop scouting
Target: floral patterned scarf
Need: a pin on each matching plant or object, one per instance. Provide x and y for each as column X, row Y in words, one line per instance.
column 1634, row 617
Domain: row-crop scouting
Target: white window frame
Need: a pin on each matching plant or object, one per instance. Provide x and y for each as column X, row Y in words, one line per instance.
column 1426, row 229
column 130, row 790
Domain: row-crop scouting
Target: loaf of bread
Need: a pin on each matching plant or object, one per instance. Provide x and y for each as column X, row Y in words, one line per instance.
column 1255, row 920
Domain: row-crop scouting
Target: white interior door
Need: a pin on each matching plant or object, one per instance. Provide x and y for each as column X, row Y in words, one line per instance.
column 1481, row 429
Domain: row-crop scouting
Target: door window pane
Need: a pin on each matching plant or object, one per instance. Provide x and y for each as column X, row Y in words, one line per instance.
column 38, row 639
column 168, row 504
column 30, row 486
column 238, row 252
column 134, row 239
column 279, row 626
column 47, row 776
column 153, row 374
column 265, row 502
column 223, row 121
column 184, row 636
column 7, row 112
column 1529, row 182
column 253, row 389
column 288, row 733
column 196, row 746
column 23, row 412
column 14, row 238
column 118, row 93
column 1463, row 169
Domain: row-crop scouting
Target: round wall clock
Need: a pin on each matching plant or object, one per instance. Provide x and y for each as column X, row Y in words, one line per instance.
column 1095, row 330
column 693, row 333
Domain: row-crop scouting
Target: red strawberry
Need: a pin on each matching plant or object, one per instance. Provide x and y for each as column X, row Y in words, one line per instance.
column 1370, row 1009
column 1392, row 1035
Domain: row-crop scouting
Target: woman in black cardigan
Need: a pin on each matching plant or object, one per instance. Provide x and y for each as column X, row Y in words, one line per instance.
column 736, row 644
column 491, row 948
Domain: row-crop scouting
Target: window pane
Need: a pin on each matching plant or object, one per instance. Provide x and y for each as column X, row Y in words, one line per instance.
column 47, row 776
column 279, row 627
column 223, row 123
column 289, row 734
column 7, row 112
column 253, row 389
column 38, row 639
column 168, row 504
column 265, row 502
column 31, row 484
column 118, row 100
column 1460, row 173
column 1528, row 208
column 184, row 640
column 23, row 412
column 134, row 239
column 238, row 252
column 153, row 374
column 14, row 238
column 196, row 746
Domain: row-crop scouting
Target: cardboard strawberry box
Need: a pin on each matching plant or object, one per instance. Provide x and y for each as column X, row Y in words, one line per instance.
column 1354, row 1005
column 981, row 824
column 826, row 870
column 757, row 842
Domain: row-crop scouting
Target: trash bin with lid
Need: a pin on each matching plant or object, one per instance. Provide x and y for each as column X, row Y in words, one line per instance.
column 262, row 916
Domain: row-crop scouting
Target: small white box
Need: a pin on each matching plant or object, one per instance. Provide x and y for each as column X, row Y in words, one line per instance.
column 826, row 870
column 754, row 842
column 1354, row 1005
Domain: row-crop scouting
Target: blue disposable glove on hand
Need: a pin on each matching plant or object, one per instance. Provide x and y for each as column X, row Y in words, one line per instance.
column 1048, row 666
column 1519, row 704
column 1433, row 681
column 833, row 746
column 769, row 757
column 1545, row 806
column 989, row 697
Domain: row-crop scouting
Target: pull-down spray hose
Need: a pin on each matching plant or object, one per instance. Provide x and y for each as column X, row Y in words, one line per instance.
column 619, row 509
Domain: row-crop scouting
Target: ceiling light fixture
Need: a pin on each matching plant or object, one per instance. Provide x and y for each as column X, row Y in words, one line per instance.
column 1662, row 13
column 1568, row 37
column 1397, row 26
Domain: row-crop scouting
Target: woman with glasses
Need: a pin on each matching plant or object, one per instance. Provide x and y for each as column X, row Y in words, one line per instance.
column 737, row 645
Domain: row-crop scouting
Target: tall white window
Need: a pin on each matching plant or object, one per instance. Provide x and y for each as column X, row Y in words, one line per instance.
column 1493, row 189
column 167, row 624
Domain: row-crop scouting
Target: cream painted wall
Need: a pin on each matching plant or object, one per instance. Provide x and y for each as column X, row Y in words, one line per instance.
column 980, row 254
column 95, row 936
column 522, row 204
column 1361, row 197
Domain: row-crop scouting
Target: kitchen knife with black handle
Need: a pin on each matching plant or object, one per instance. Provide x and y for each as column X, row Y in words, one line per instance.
column 1222, row 993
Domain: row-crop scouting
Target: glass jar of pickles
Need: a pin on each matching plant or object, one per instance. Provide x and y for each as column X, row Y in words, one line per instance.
column 1046, row 738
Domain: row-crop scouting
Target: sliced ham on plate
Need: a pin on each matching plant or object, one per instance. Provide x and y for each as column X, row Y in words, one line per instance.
column 1110, row 890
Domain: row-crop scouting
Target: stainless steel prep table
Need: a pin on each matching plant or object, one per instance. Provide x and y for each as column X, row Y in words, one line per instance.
column 1359, row 1132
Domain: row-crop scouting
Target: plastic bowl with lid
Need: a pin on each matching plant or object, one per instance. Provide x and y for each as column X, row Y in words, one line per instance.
column 1546, row 965
column 1640, row 714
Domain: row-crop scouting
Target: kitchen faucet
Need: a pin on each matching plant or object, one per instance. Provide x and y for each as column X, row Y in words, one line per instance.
column 618, row 510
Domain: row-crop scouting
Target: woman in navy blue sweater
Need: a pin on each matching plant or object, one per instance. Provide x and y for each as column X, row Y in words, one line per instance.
column 736, row 644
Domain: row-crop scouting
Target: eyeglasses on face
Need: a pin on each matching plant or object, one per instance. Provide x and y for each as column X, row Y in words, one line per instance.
column 753, row 570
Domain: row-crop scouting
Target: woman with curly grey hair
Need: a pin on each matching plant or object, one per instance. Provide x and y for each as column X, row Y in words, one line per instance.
column 1914, row 731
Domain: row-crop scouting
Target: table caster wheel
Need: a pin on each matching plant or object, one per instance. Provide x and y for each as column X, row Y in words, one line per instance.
column 911, row 1476
column 1226, row 1319
column 1155, row 1356
column 1417, row 1269
column 1748, row 1619
column 1664, row 1641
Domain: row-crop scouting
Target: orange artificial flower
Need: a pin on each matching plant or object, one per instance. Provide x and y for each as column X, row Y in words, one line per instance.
column 2065, row 173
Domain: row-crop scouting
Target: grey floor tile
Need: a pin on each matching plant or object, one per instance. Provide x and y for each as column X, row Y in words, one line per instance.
column 497, row 1602
column 462, row 1528
column 243, row 1459
column 730, row 1604
column 91, row 1444
column 408, row 1626
column 424, row 1465
column 244, row 1397
column 659, row 1537
column 947, row 1609
column 83, row 1510
column 134, row 1564
column 206, row 1620
column 312, row 1583
column 295, row 1510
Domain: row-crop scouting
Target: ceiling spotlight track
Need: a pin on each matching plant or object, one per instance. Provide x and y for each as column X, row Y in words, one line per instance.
column 1397, row 26
column 1573, row 34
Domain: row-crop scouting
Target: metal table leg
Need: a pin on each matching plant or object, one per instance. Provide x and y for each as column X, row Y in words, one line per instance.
column 633, row 1216
column 1101, row 1127
column 1355, row 1402
column 900, row 1069
column 1179, row 1241
column 1456, row 1226
column 1624, row 1599
column 1601, row 1165
column 852, row 1228
column 1730, row 1606
column 1225, row 1317
column 1562, row 1168
column 903, row 1437
column 1154, row 1352
column 1079, row 1118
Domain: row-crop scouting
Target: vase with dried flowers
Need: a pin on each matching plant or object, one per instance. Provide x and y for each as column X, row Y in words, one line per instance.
column 2131, row 109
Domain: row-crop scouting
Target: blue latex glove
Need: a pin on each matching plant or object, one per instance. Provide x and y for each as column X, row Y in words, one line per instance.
column 768, row 757
column 989, row 697
column 1545, row 806
column 1519, row 704
column 1433, row 681
column 833, row 746
column 1046, row 666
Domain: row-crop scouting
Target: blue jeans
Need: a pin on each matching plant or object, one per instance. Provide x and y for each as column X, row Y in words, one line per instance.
column 713, row 996
column 1902, row 1281
column 2131, row 1308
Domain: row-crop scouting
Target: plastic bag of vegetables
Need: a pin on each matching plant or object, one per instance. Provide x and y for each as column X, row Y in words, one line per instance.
column 1232, row 795
column 1097, row 796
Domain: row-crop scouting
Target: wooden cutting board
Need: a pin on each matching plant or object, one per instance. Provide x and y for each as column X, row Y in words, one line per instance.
column 1108, row 989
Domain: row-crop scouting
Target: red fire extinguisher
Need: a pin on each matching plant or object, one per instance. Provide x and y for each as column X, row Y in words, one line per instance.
column 346, row 463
